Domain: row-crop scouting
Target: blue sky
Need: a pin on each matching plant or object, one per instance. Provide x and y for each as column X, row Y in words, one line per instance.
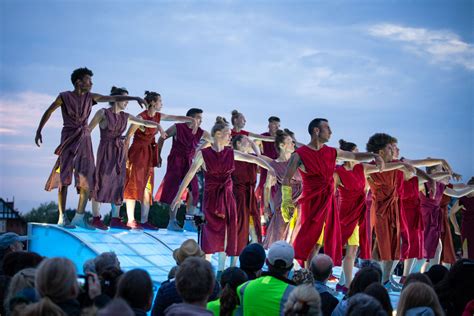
column 401, row 67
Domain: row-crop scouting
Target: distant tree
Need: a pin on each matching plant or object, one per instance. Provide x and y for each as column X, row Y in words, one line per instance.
column 48, row 213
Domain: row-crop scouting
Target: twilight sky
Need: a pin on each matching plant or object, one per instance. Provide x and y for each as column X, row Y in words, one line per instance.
column 401, row 67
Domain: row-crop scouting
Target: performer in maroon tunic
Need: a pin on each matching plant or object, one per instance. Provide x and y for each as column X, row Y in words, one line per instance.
column 244, row 179
column 75, row 151
column 220, row 230
column 238, row 122
column 180, row 159
column 110, row 170
column 466, row 204
column 142, row 158
column 317, row 163
column 277, row 228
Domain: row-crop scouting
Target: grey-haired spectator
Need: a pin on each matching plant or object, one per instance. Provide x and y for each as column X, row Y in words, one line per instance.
column 195, row 281
column 252, row 259
column 168, row 293
column 117, row 306
column 364, row 305
column 321, row 267
column 106, row 260
column 268, row 294
column 303, row 300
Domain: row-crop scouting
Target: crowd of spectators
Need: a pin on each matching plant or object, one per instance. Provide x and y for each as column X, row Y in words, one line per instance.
column 34, row 285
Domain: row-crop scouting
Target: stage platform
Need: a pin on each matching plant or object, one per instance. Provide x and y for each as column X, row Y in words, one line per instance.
column 148, row 250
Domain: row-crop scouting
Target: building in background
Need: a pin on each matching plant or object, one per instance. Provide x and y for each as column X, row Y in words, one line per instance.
column 10, row 219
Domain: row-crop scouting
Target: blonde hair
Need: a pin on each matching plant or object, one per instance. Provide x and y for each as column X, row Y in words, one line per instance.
column 22, row 279
column 303, row 300
column 56, row 278
column 419, row 294
column 44, row 307
column 220, row 124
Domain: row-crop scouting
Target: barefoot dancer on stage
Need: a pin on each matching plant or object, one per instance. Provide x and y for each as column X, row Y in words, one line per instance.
column 111, row 158
column 75, row 151
column 142, row 158
column 220, row 231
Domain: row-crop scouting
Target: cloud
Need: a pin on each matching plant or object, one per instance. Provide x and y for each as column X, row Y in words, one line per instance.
column 441, row 46
column 20, row 113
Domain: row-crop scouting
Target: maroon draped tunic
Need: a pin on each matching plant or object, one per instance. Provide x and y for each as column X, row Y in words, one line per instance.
column 179, row 161
column 318, row 204
column 432, row 220
column 219, row 203
column 110, row 170
column 467, row 226
column 244, row 179
column 140, row 160
column 448, row 254
column 352, row 207
column 75, row 151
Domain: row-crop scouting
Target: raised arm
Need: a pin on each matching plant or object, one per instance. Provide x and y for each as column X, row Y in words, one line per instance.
column 181, row 118
column 46, row 115
column 262, row 137
column 293, row 165
column 170, row 132
column 197, row 163
column 429, row 162
column 141, row 122
column 457, row 193
column 255, row 148
column 98, row 117
column 240, row 156
column 117, row 98
column 370, row 168
column 360, row 157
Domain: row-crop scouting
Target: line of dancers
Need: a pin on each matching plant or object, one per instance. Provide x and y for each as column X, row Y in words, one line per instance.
column 373, row 204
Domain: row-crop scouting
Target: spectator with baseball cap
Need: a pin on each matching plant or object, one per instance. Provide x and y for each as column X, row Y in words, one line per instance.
column 168, row 293
column 268, row 294
column 252, row 259
column 11, row 242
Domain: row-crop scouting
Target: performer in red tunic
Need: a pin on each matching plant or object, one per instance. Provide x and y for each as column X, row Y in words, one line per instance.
column 142, row 158
column 75, row 151
column 466, row 204
column 180, row 159
column 220, row 230
column 317, row 163
column 110, row 170
column 244, row 179
column 278, row 228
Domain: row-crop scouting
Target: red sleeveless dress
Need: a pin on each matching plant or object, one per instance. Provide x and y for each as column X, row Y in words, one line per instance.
column 179, row 161
column 412, row 243
column 432, row 220
column 110, row 170
column 318, row 204
column 244, row 179
column 219, row 203
column 467, row 225
column 352, row 199
column 385, row 213
column 75, row 151
column 140, row 160
column 233, row 133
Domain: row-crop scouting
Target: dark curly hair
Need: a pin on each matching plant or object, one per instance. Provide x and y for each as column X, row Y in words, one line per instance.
column 80, row 73
column 379, row 141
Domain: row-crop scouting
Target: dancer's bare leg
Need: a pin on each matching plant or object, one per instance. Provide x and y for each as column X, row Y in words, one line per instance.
column 145, row 206
column 387, row 268
column 95, row 208
column 408, row 264
column 253, row 234
column 62, row 197
column 130, row 209
column 348, row 264
column 311, row 255
column 83, row 197
column 233, row 261
column 116, row 210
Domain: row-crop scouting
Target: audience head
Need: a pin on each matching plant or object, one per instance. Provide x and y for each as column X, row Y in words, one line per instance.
column 417, row 277
column 136, row 288
column 231, row 278
column 303, row 300
column 23, row 279
column 437, row 273
column 303, row 276
column 364, row 305
column 88, row 266
column 380, row 293
column 117, row 306
column 280, row 258
column 16, row 261
column 11, row 242
column 172, row 272
column 252, row 259
column 372, row 264
column 195, row 280
column 418, row 294
column 362, row 279
column 189, row 248
column 321, row 267
column 109, row 279
column 106, row 260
